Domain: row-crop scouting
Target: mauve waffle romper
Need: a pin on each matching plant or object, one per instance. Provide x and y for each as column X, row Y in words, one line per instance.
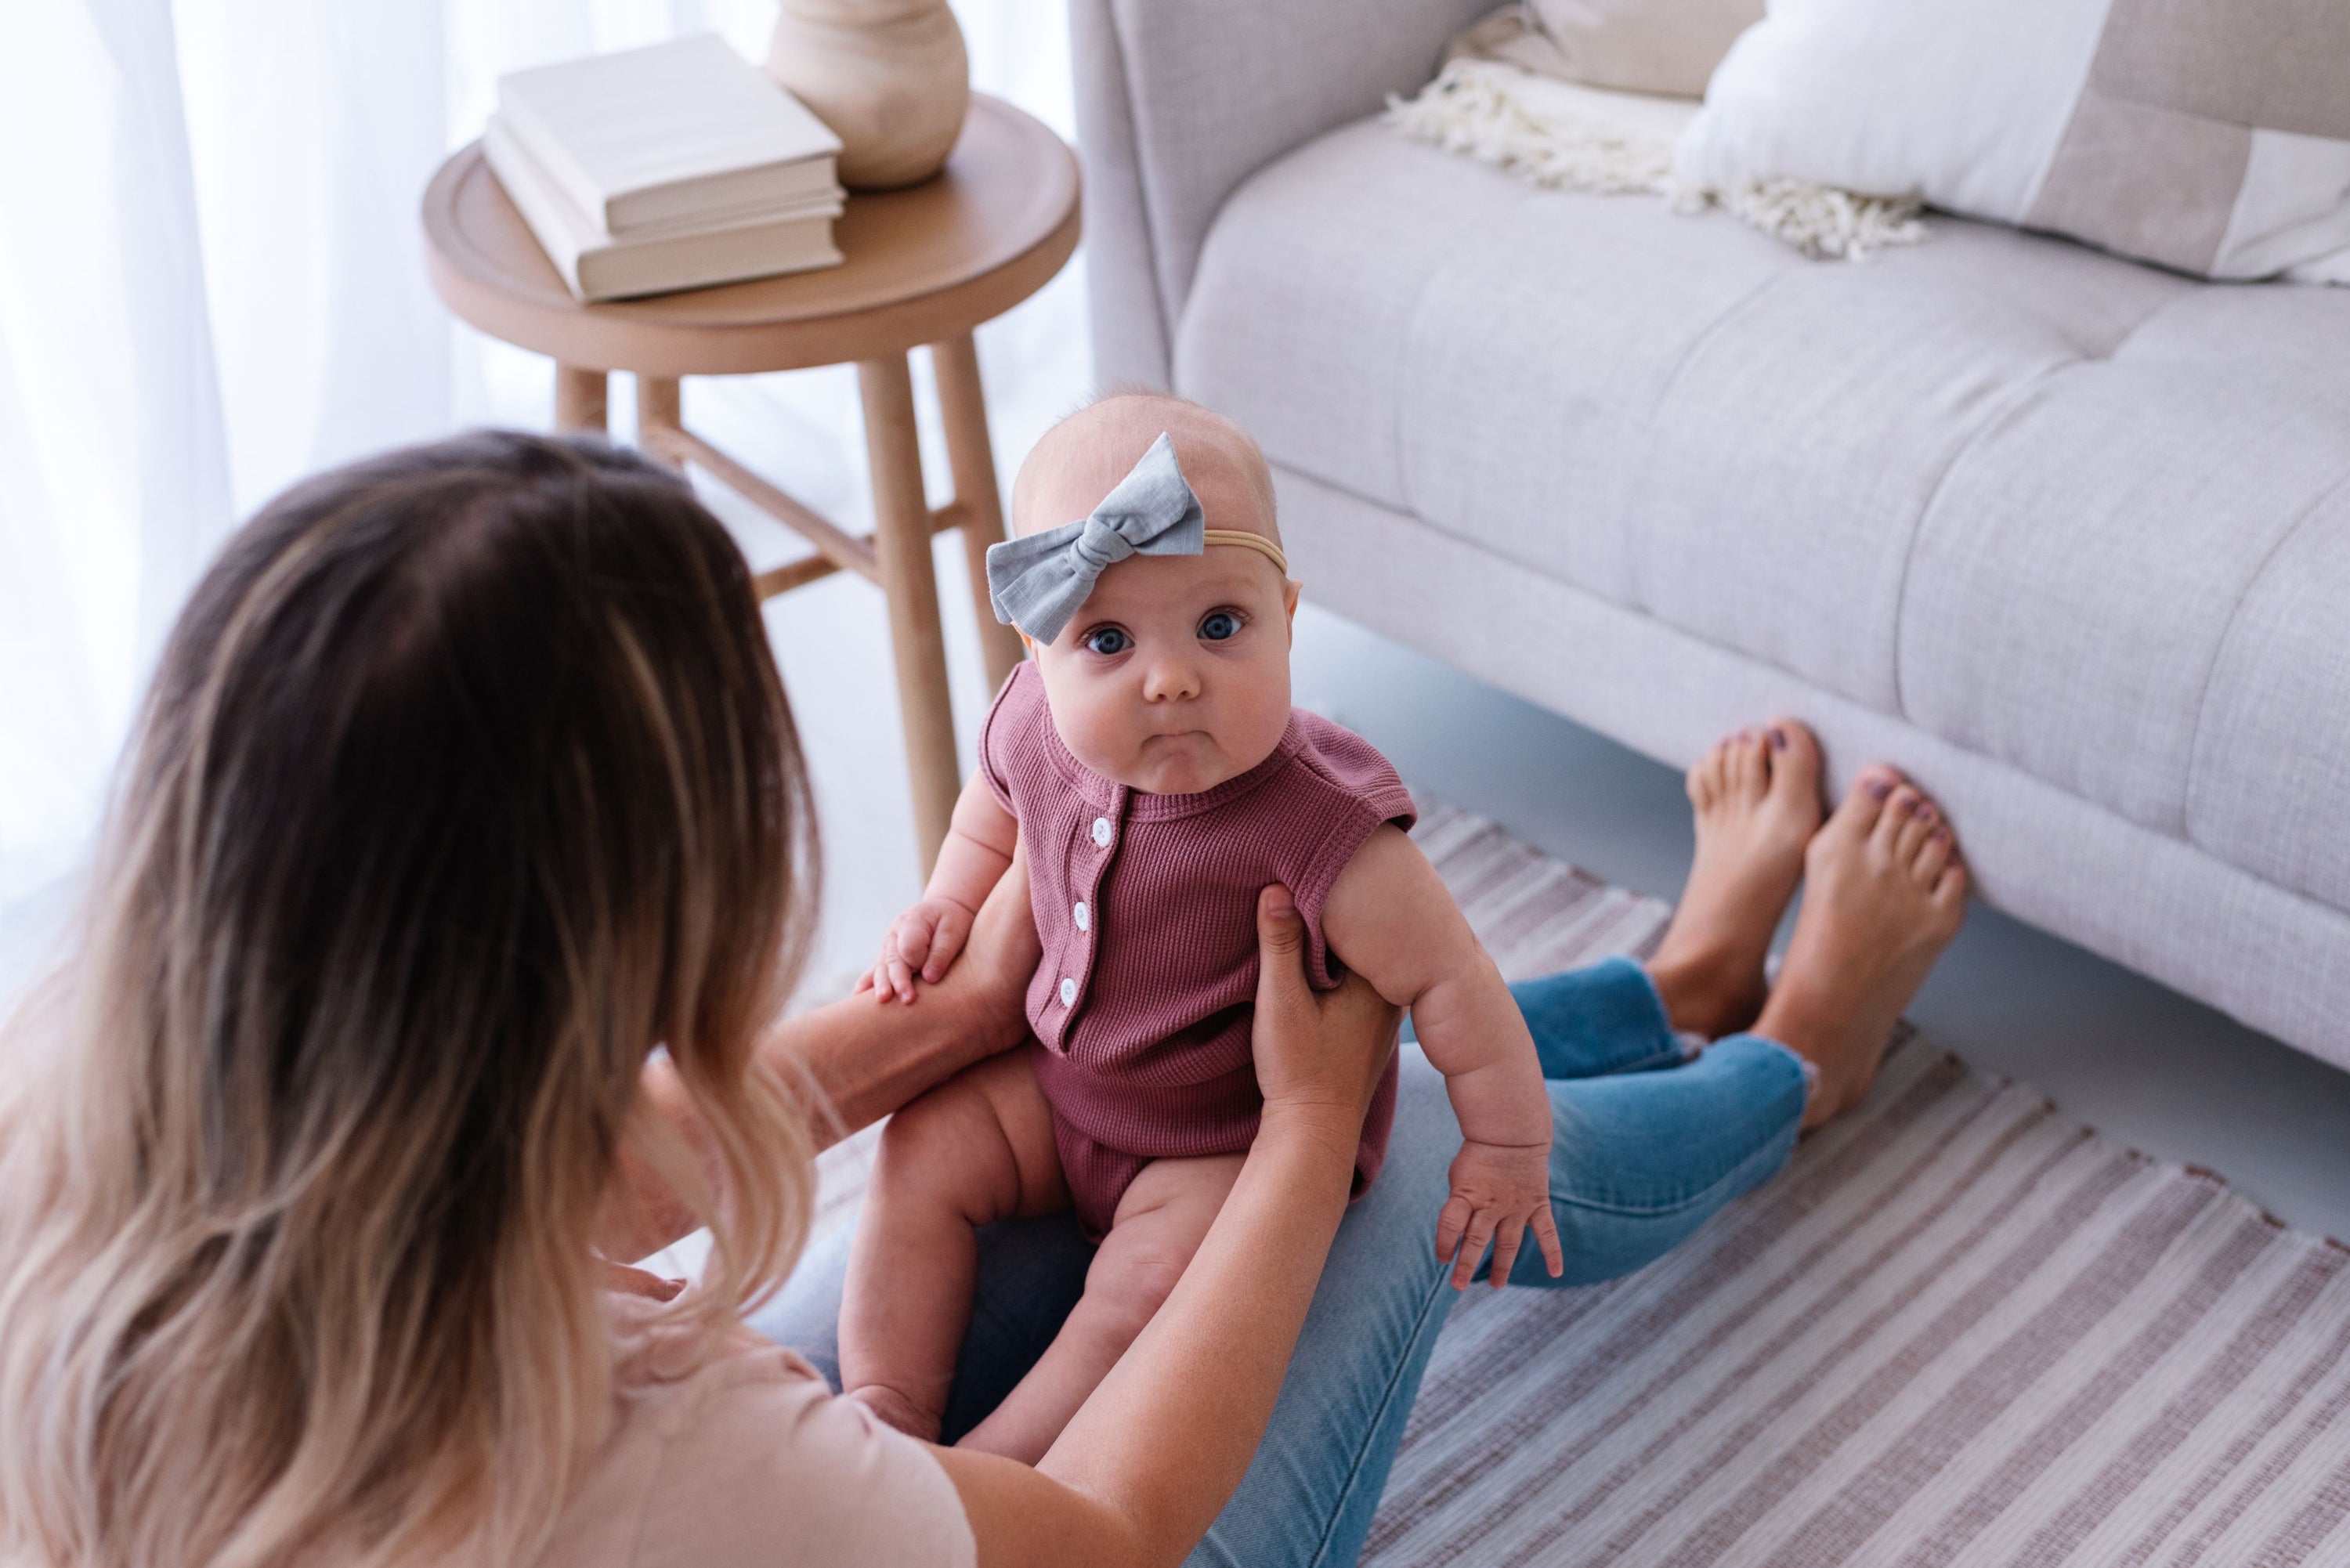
column 1141, row 1005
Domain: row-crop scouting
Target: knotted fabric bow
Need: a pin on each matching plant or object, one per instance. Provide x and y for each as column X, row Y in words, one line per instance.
column 1037, row 583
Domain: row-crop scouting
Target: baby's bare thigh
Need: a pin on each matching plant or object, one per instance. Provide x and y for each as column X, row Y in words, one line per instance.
column 983, row 1139
column 1161, row 1220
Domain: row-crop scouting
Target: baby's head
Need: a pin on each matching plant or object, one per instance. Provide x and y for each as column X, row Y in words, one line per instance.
column 1173, row 677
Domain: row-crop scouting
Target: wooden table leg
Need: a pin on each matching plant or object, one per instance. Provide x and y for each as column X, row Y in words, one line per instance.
column 659, row 405
column 901, row 547
column 582, row 399
column 963, row 402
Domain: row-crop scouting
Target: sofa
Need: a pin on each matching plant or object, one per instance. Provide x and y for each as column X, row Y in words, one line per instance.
column 2065, row 536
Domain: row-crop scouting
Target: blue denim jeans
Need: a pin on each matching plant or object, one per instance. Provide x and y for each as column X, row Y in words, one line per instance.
column 1646, row 1147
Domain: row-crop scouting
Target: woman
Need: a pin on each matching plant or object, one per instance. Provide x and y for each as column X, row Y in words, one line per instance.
column 461, row 857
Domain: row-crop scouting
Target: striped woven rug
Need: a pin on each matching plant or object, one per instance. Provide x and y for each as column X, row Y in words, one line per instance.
column 1960, row 1330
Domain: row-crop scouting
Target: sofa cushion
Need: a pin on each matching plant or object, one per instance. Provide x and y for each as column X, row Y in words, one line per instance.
column 2022, row 493
column 2269, row 788
column 2087, row 564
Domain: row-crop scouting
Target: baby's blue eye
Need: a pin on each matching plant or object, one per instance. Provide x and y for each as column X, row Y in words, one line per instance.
column 1107, row 641
column 1219, row 625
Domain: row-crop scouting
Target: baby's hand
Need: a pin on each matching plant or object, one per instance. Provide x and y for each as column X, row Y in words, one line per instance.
column 1498, row 1189
column 922, row 941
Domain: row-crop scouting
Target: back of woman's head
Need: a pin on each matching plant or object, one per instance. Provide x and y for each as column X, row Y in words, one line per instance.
column 465, row 781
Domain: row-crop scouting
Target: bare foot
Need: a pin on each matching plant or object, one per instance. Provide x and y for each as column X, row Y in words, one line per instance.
column 895, row 1409
column 1884, row 894
column 1757, row 796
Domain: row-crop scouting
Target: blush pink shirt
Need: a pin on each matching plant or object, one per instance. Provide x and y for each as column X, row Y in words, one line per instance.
column 1142, row 1004
column 746, row 1458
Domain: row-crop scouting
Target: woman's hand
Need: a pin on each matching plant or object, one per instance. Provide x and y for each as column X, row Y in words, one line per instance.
column 634, row 1282
column 1320, row 1054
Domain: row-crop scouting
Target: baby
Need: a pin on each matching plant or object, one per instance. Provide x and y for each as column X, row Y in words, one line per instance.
column 1151, row 762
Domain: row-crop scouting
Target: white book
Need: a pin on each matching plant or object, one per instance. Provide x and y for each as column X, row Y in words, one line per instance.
column 598, row 266
column 683, row 131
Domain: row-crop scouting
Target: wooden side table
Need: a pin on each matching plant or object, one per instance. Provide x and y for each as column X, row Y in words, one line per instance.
column 925, row 265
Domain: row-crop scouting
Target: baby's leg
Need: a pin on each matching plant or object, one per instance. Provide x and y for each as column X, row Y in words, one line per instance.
column 976, row 1149
column 1161, row 1222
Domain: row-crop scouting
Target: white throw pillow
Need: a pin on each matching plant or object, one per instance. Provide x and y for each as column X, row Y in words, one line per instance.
column 1667, row 47
column 2211, row 136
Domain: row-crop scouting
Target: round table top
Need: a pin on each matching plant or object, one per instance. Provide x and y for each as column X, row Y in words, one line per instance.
column 924, row 265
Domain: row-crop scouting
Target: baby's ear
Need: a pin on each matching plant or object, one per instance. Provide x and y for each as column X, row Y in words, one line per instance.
column 1290, row 588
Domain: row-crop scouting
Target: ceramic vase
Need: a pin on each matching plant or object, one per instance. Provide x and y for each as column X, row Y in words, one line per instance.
column 890, row 77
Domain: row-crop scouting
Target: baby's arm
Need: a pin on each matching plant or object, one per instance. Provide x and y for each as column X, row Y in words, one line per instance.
column 925, row 939
column 1393, row 921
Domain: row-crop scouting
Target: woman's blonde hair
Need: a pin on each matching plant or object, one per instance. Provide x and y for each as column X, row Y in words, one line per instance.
column 466, row 781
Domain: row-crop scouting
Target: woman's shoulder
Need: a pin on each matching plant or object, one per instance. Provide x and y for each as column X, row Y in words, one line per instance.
column 747, row 1457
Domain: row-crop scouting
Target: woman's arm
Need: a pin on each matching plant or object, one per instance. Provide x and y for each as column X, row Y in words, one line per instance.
column 857, row 1061
column 867, row 1061
column 1152, row 1457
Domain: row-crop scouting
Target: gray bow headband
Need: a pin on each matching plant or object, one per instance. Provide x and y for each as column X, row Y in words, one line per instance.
column 1038, row 582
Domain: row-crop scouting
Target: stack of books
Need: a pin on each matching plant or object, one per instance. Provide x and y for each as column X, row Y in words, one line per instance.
column 677, row 166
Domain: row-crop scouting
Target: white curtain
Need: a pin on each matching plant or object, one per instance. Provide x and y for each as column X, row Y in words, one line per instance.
column 113, row 462
column 211, row 283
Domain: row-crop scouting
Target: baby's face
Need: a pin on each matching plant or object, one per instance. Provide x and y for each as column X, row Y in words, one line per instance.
column 1174, row 676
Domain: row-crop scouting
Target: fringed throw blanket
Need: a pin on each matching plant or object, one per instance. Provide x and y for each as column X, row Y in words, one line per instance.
column 1574, row 138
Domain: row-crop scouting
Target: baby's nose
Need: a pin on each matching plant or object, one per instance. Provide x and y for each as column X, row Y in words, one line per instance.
column 1171, row 681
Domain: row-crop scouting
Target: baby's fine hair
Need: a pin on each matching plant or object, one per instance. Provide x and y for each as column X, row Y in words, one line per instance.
column 1193, row 425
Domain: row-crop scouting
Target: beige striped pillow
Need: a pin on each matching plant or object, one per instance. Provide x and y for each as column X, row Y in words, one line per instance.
column 2211, row 136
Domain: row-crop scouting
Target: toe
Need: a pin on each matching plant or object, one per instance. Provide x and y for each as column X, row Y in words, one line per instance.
column 1951, row 893
column 1747, row 769
column 1932, row 854
column 1913, row 833
column 1725, row 761
column 1705, row 776
column 1876, row 784
column 1862, row 805
column 1795, row 758
column 1900, row 811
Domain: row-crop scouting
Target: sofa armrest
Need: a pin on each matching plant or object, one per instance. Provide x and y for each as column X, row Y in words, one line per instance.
column 1179, row 100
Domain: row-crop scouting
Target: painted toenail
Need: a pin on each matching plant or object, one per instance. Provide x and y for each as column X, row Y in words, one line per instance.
column 1926, row 812
column 1778, row 739
column 1941, row 835
column 1877, row 788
